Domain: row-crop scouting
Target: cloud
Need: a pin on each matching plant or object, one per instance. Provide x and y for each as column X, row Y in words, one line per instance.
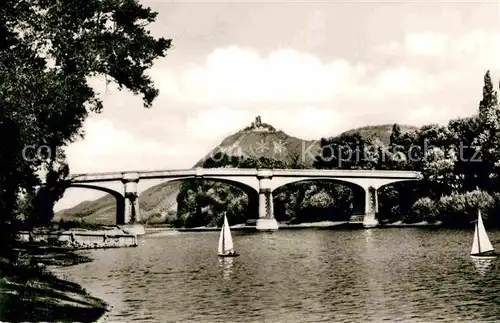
column 474, row 41
column 107, row 148
column 482, row 48
column 234, row 76
column 305, row 121
column 402, row 80
column 430, row 44
column 425, row 44
column 166, row 81
column 479, row 47
column 237, row 75
column 217, row 122
column 432, row 114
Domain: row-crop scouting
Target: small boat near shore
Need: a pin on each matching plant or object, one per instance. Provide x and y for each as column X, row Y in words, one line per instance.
column 481, row 245
column 226, row 248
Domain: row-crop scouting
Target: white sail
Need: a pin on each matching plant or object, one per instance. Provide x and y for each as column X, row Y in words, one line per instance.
column 220, row 249
column 481, row 241
column 228, row 242
column 225, row 239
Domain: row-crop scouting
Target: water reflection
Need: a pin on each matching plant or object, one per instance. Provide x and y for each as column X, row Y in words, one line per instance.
column 409, row 275
column 482, row 265
column 368, row 234
column 226, row 264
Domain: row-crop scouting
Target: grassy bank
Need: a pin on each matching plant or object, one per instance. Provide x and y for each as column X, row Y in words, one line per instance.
column 30, row 292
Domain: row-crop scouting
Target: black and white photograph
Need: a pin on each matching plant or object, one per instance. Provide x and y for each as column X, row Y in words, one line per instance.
column 249, row 161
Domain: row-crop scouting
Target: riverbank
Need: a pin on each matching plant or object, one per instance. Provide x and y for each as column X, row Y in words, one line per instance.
column 281, row 226
column 284, row 226
column 400, row 224
column 83, row 238
column 30, row 292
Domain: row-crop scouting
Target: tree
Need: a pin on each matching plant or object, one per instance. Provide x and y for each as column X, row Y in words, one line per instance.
column 438, row 170
column 395, row 135
column 42, row 208
column 467, row 166
column 49, row 50
column 424, row 209
column 347, row 151
column 461, row 208
column 488, row 137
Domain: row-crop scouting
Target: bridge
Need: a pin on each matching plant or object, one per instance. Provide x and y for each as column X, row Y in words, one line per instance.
column 259, row 183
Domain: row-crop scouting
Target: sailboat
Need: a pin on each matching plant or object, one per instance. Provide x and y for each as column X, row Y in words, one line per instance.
column 481, row 246
column 226, row 241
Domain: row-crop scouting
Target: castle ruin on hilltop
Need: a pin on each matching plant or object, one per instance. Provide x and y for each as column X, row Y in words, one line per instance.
column 257, row 125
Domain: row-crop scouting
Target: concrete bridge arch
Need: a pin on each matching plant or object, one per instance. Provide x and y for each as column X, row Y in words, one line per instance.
column 248, row 185
column 281, row 182
column 368, row 206
column 120, row 199
column 398, row 181
column 357, row 190
column 401, row 186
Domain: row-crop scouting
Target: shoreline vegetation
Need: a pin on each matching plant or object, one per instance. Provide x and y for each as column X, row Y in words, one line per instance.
column 31, row 292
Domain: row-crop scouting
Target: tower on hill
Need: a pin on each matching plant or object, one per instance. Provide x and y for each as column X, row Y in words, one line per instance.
column 257, row 125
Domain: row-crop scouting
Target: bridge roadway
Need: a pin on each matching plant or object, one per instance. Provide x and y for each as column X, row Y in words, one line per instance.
column 260, row 181
column 250, row 172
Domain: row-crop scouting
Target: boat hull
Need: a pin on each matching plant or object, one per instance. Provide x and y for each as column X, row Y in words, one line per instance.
column 486, row 255
column 229, row 255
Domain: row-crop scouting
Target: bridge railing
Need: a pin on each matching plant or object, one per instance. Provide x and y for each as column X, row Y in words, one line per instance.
column 347, row 172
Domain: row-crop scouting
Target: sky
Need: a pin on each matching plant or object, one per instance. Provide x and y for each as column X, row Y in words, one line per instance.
column 312, row 69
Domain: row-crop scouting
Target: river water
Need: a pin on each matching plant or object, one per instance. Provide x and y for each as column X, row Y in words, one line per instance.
column 406, row 275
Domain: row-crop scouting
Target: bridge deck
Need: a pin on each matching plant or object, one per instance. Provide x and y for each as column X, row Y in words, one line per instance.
column 200, row 172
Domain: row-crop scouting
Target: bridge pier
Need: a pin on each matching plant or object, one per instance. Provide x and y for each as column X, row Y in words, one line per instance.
column 132, row 212
column 371, row 207
column 266, row 220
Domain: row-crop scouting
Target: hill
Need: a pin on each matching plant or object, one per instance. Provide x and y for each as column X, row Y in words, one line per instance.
column 263, row 140
column 159, row 202
column 381, row 133
column 97, row 211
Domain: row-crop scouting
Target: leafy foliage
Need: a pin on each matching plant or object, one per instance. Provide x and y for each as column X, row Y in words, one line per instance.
column 49, row 50
column 424, row 209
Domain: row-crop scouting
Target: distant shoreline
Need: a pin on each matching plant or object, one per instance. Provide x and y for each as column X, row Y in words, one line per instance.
column 306, row 225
